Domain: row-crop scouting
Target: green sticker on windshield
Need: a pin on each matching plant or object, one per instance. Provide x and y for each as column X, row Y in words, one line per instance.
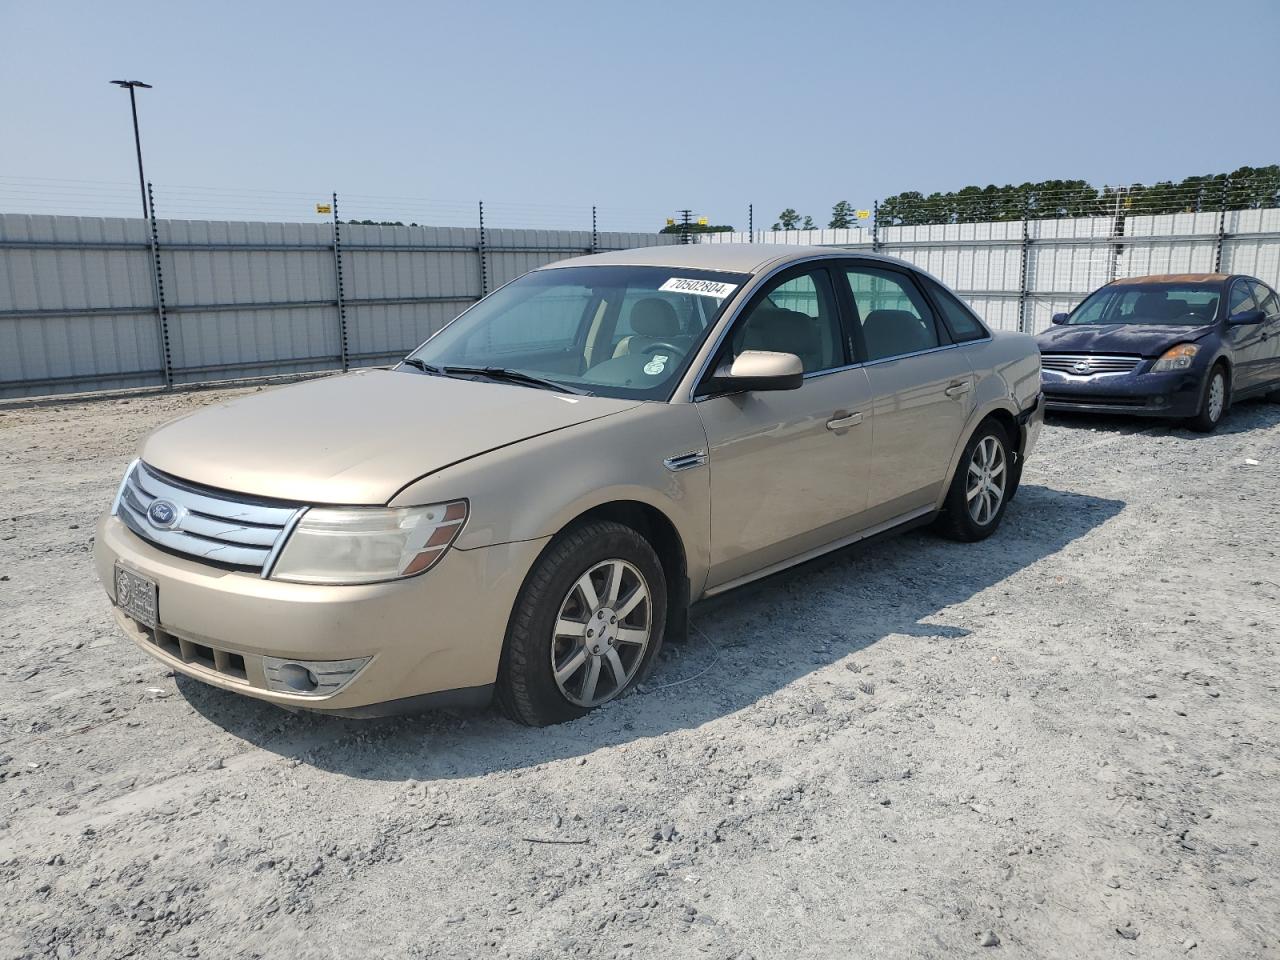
column 656, row 365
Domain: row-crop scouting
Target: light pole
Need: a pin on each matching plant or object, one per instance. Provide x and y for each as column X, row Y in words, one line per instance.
column 137, row 140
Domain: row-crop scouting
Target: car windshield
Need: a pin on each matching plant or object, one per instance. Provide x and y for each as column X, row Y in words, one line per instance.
column 1185, row 305
column 612, row 331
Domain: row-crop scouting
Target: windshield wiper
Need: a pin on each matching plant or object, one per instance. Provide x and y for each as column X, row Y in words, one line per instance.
column 516, row 376
column 423, row 366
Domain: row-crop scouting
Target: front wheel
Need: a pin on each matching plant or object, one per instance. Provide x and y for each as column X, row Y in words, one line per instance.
column 586, row 626
column 1213, row 402
column 980, row 489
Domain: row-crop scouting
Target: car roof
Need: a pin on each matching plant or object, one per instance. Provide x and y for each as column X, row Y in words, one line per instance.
column 727, row 257
column 1178, row 278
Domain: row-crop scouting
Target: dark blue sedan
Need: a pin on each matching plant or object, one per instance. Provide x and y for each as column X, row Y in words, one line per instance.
column 1183, row 346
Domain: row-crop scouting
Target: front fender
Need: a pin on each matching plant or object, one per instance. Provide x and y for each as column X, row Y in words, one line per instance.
column 537, row 487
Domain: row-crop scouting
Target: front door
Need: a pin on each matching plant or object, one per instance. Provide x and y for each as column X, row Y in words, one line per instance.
column 921, row 386
column 1250, row 344
column 1269, row 303
column 789, row 467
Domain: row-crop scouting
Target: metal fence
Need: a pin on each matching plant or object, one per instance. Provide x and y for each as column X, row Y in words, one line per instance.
column 92, row 304
column 101, row 303
column 1017, row 273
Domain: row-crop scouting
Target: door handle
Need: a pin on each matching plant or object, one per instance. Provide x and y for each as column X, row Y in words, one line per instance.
column 959, row 388
column 842, row 421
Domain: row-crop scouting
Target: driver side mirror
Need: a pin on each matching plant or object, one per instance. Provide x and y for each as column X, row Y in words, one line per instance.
column 1248, row 318
column 1058, row 318
column 758, row 370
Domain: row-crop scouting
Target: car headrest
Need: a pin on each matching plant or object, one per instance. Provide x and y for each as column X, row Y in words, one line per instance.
column 781, row 331
column 654, row 317
column 1151, row 305
column 892, row 332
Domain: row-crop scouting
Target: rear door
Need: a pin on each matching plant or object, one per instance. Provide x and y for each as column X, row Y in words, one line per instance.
column 921, row 387
column 788, row 468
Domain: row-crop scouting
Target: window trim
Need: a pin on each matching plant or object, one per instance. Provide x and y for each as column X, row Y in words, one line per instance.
column 767, row 285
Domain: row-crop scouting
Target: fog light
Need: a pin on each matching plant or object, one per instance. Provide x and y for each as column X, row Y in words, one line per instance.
column 310, row 678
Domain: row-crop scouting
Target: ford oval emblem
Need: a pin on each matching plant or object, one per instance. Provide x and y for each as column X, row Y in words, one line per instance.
column 162, row 514
column 1081, row 366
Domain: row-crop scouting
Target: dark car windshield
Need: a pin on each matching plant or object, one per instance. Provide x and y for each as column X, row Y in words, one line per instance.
column 613, row 331
column 1185, row 305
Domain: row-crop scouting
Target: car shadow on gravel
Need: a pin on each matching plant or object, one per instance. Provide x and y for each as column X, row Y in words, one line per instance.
column 748, row 645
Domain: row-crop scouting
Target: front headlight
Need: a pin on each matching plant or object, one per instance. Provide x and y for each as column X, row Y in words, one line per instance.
column 347, row 545
column 1176, row 358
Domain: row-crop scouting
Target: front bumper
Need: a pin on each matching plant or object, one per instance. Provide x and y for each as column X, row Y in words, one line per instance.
column 439, row 632
column 1174, row 394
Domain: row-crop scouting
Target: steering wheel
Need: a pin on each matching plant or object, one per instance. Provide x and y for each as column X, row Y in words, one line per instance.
column 663, row 345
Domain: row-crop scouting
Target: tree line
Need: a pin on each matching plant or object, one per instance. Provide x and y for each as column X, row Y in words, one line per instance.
column 1243, row 189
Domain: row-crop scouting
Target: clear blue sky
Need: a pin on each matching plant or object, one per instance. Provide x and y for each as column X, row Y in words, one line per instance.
column 638, row 107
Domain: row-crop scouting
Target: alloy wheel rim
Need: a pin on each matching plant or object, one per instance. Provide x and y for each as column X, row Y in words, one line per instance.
column 1217, row 396
column 601, row 633
column 987, row 475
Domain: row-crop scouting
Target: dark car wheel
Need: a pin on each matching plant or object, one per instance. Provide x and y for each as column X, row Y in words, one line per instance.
column 981, row 488
column 1215, row 398
column 586, row 626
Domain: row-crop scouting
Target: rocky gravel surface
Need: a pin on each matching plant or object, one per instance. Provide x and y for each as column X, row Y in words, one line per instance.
column 1061, row 742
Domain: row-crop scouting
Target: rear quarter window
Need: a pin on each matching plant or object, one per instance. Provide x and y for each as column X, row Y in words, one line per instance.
column 959, row 319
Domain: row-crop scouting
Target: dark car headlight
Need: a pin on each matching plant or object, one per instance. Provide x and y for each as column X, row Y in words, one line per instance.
column 1176, row 358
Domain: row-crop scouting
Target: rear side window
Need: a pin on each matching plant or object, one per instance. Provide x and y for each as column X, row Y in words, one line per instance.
column 894, row 315
column 958, row 318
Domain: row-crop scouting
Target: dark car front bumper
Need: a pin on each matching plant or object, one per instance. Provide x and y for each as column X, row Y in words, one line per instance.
column 1141, row 393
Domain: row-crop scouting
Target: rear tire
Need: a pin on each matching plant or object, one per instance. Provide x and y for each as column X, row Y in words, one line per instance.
column 981, row 487
column 566, row 594
column 1215, row 400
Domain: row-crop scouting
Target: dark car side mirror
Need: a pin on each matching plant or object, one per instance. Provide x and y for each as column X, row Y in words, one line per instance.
column 757, row 370
column 1248, row 318
column 1058, row 318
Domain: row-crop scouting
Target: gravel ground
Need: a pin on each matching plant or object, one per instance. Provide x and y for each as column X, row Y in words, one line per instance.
column 1061, row 742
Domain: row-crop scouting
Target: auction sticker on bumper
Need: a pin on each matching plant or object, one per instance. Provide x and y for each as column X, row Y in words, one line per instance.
column 136, row 596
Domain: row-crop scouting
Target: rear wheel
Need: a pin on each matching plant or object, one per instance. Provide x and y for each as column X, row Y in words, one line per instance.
column 586, row 626
column 1214, row 401
column 980, row 489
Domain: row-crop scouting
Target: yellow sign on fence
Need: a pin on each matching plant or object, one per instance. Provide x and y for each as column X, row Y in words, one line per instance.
column 863, row 214
column 324, row 208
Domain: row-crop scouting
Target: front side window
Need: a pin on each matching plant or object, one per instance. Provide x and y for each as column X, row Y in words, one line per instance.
column 1183, row 305
column 893, row 313
column 614, row 331
column 1243, row 298
column 1266, row 299
column 795, row 315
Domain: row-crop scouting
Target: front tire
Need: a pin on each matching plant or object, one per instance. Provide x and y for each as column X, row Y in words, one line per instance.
column 1214, row 400
column 586, row 626
column 981, row 488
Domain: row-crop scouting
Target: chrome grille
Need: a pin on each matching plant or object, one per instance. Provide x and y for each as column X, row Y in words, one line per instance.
column 1097, row 363
column 208, row 525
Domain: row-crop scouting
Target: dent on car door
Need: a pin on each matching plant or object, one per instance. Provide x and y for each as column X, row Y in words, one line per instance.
column 788, row 467
column 922, row 390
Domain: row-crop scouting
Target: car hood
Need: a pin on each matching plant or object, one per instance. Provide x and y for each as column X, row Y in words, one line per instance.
column 1150, row 340
column 358, row 438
